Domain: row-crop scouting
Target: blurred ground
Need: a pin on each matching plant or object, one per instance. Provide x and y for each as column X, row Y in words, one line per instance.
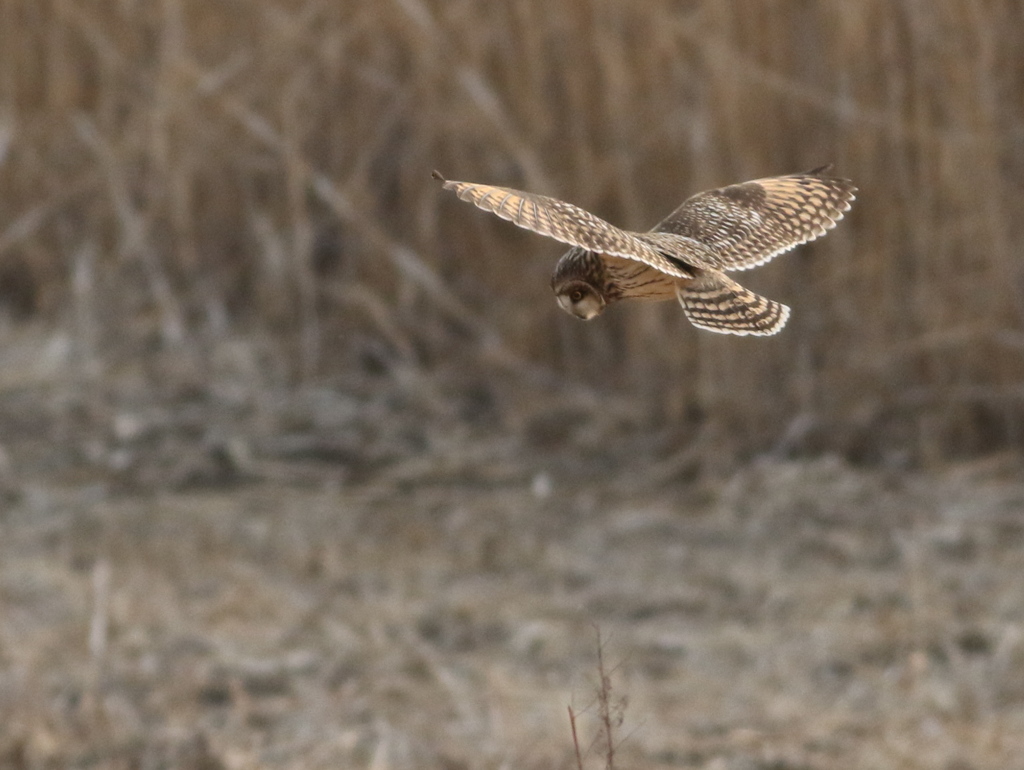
column 276, row 605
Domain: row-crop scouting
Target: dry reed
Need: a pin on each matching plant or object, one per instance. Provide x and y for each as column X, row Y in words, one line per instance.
column 173, row 171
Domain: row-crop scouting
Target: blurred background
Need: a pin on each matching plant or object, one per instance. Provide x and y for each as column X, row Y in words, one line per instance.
column 225, row 270
column 239, row 195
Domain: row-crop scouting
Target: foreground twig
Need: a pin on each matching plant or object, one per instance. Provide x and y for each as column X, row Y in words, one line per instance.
column 575, row 739
column 609, row 714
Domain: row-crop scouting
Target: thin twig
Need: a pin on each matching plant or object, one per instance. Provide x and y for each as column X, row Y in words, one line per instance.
column 604, row 703
column 575, row 739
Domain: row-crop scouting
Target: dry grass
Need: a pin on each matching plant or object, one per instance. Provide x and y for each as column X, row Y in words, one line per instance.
column 804, row 617
column 223, row 264
column 172, row 172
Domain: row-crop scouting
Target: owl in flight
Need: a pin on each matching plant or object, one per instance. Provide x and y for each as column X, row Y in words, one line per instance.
column 687, row 255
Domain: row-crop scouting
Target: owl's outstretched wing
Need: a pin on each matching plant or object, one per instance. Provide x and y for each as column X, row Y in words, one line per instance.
column 745, row 225
column 564, row 222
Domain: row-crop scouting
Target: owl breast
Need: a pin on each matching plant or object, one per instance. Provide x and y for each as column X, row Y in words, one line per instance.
column 629, row 279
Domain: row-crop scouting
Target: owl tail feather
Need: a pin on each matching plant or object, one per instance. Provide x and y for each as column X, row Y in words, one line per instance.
column 717, row 303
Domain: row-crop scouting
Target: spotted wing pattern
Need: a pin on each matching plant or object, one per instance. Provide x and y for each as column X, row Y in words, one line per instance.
column 745, row 225
column 717, row 303
column 564, row 222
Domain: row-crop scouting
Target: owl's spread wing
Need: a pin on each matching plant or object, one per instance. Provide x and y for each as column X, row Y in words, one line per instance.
column 564, row 222
column 745, row 225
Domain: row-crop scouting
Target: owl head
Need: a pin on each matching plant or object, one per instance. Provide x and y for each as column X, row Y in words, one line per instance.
column 580, row 299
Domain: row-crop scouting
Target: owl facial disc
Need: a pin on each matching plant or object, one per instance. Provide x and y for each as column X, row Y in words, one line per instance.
column 580, row 299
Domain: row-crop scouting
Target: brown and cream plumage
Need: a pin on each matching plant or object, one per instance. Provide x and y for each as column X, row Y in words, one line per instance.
column 685, row 256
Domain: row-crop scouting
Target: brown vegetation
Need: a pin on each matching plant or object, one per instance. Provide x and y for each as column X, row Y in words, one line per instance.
column 175, row 171
column 412, row 485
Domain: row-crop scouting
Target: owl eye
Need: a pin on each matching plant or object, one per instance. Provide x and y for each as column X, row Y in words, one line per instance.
column 576, row 296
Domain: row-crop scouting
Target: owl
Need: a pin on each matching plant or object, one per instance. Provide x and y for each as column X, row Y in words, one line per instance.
column 686, row 256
